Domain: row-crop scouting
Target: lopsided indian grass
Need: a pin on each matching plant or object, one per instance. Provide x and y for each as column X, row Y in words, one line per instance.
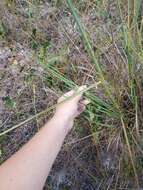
column 89, row 49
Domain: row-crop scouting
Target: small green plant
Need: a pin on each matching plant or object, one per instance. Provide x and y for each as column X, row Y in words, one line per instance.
column 2, row 30
column 9, row 102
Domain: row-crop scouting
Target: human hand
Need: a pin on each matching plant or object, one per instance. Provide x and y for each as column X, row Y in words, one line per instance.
column 70, row 105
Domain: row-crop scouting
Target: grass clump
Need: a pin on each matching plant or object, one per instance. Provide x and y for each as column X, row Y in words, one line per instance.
column 132, row 48
column 90, row 42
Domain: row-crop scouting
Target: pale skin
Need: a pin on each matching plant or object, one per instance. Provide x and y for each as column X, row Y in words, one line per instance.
column 28, row 168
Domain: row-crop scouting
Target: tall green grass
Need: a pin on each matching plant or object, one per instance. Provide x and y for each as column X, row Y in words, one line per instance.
column 89, row 49
column 107, row 112
column 132, row 44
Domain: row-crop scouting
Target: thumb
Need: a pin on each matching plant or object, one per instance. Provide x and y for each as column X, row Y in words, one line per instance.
column 79, row 92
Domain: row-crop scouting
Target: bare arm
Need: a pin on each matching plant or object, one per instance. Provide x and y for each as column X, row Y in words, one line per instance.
column 29, row 167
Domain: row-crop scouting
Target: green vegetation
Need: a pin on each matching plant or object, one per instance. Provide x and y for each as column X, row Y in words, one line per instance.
column 90, row 42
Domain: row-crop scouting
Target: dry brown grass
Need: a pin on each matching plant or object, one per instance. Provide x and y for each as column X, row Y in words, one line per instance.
column 102, row 152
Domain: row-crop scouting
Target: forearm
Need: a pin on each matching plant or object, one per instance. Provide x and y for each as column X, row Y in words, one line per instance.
column 35, row 158
column 28, row 168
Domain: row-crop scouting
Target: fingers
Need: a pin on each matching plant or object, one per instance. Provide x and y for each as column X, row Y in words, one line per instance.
column 81, row 108
column 82, row 105
column 86, row 102
column 66, row 95
column 71, row 104
column 77, row 94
